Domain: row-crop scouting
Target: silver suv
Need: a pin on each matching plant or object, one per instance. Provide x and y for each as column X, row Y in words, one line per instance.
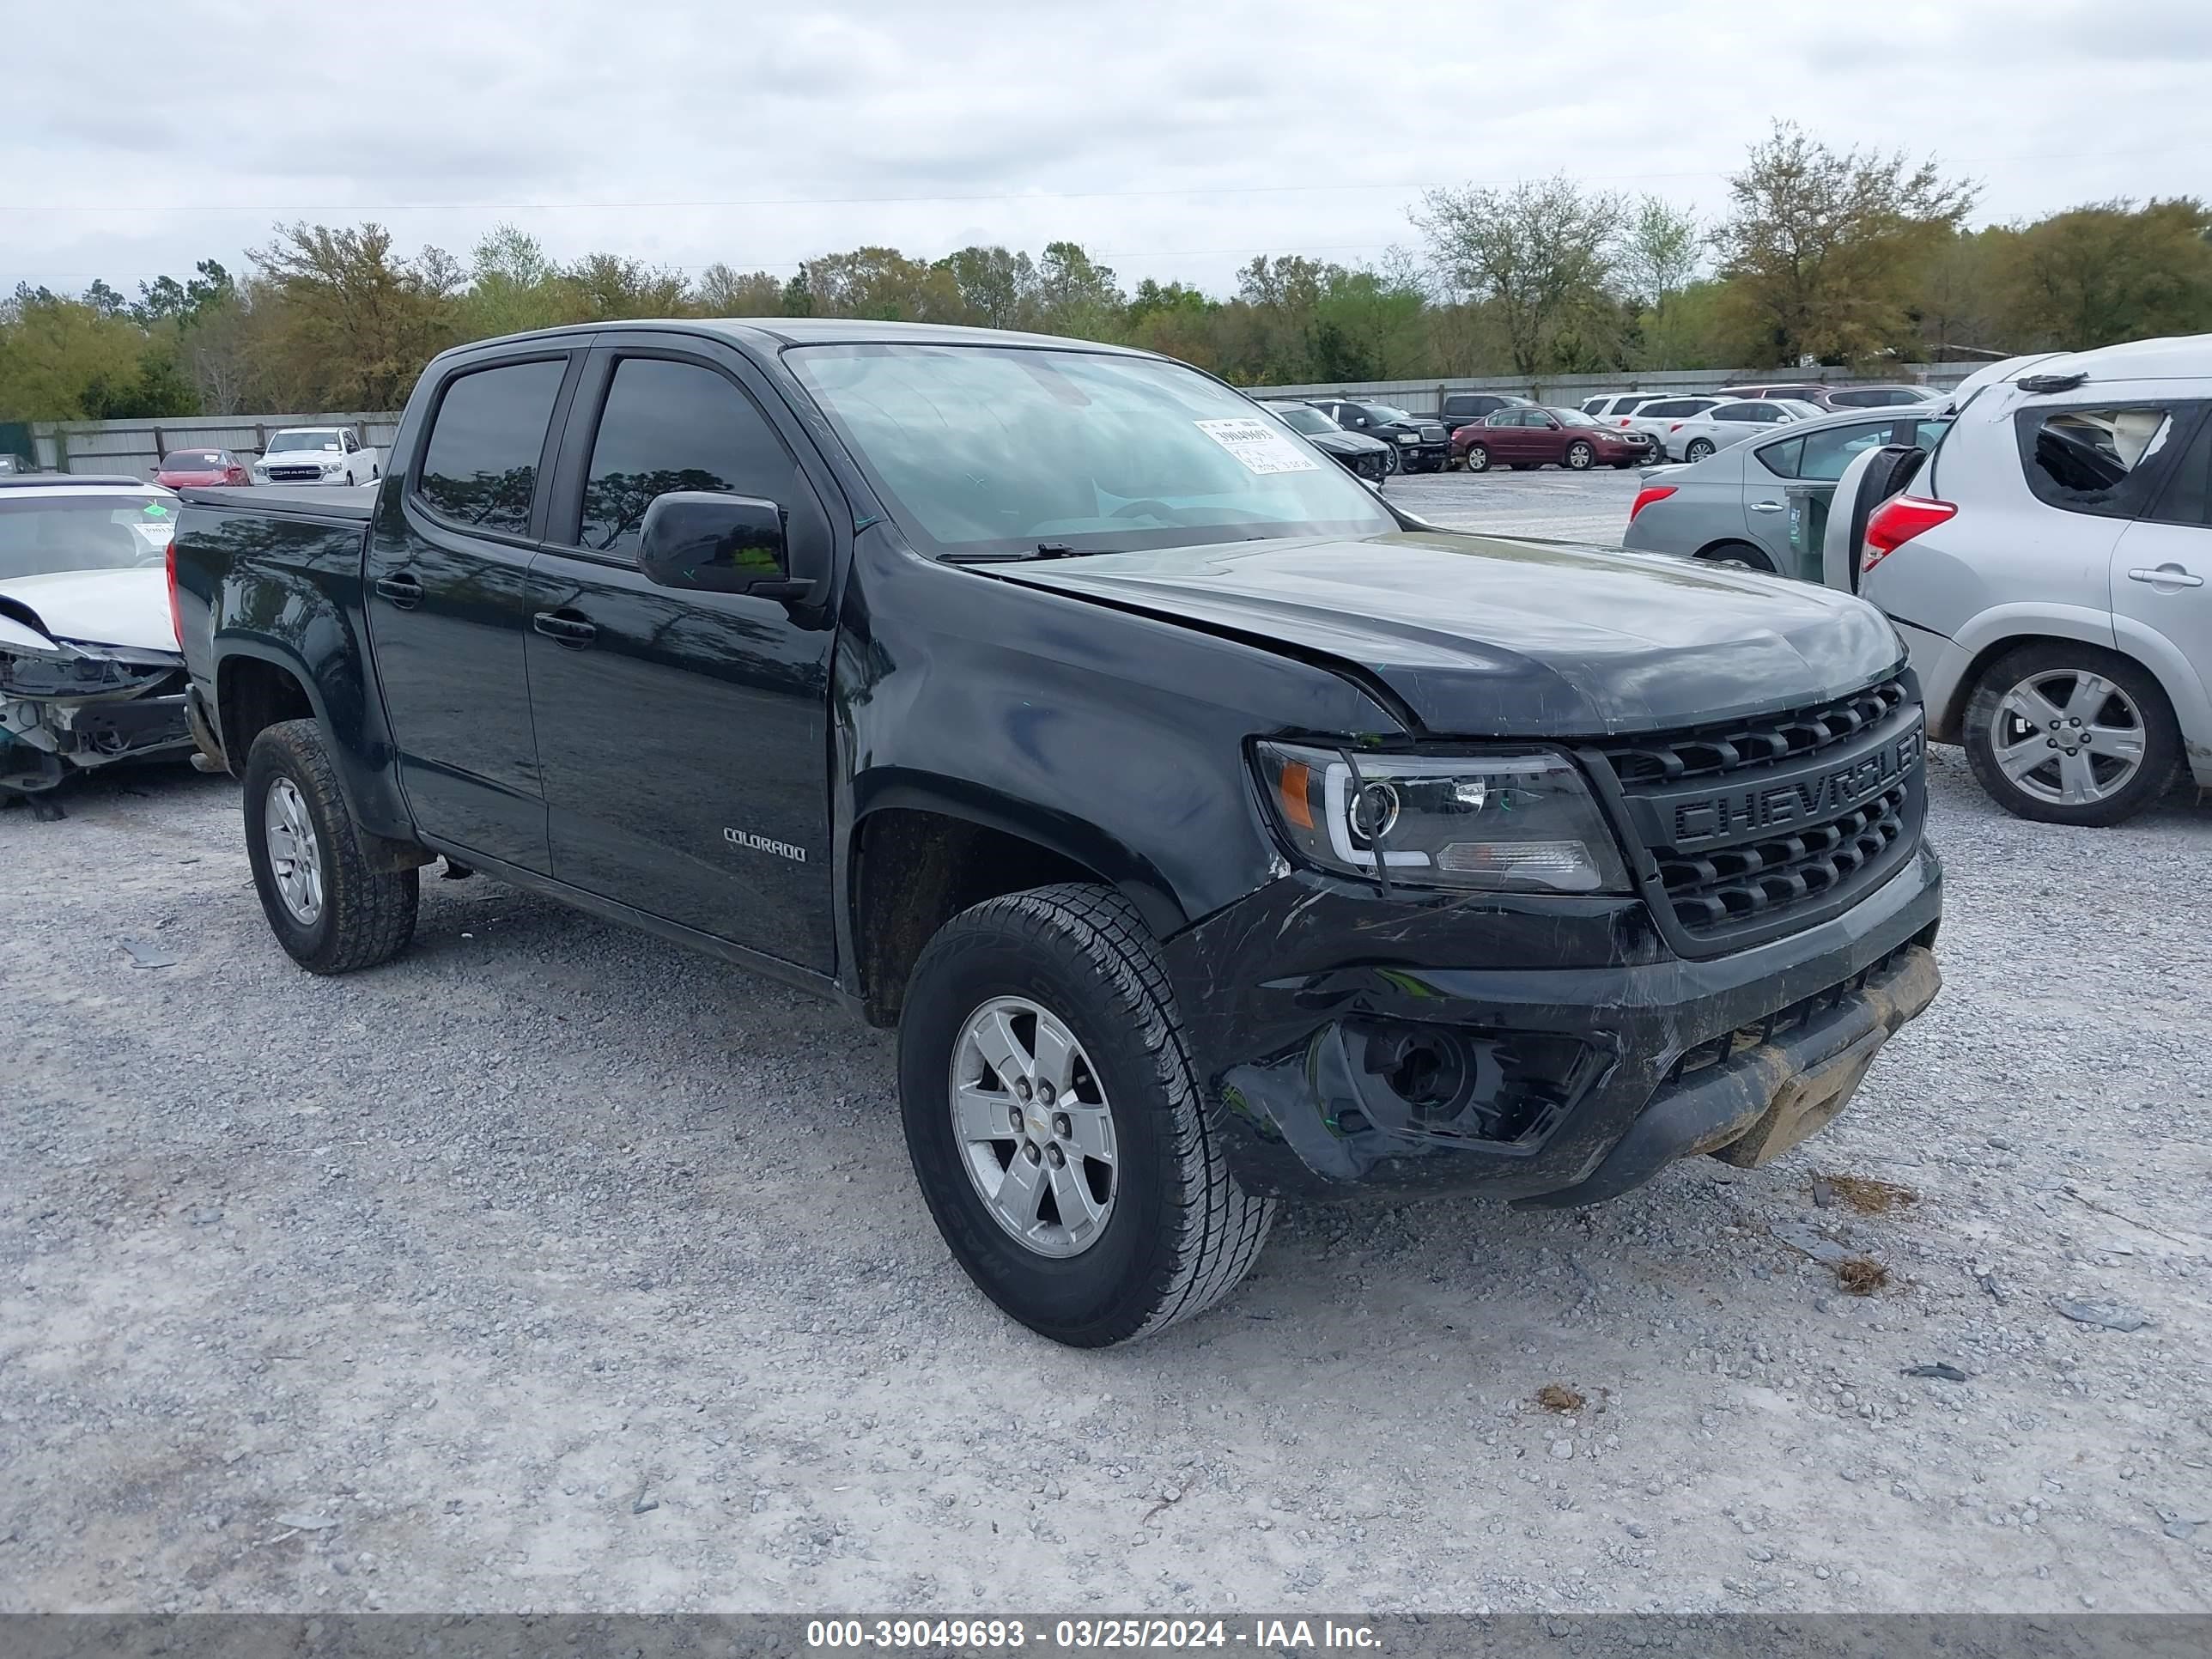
column 2047, row 568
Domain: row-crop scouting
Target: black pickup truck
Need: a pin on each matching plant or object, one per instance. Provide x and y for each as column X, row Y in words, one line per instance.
column 1212, row 831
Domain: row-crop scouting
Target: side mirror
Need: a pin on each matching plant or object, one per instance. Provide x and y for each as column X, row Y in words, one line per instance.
column 716, row 544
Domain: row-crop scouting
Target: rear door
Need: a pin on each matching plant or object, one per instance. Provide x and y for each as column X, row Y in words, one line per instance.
column 684, row 734
column 448, row 567
column 2162, row 564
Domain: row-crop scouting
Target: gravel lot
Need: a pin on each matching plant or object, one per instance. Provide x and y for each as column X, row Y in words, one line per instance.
column 550, row 1268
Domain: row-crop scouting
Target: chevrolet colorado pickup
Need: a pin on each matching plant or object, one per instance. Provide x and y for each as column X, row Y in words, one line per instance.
column 1211, row 832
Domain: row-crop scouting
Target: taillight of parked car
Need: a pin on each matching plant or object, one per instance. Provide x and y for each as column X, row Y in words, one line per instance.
column 176, row 616
column 1646, row 495
column 1896, row 522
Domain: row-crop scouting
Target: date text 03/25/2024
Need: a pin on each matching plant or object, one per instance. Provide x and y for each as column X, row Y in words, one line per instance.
column 1086, row 1635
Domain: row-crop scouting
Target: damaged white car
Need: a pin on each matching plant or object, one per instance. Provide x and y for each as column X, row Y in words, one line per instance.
column 90, row 670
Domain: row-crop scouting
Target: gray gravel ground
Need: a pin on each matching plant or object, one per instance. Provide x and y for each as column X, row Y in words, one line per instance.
column 550, row 1268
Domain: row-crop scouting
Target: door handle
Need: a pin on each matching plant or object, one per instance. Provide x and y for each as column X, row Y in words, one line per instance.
column 1766, row 507
column 569, row 629
column 402, row 590
column 2167, row 575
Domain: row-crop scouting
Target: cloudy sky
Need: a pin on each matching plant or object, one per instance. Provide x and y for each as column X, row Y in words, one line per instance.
column 1172, row 140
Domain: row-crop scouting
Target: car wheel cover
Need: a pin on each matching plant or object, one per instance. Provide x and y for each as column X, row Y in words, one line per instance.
column 1033, row 1127
column 1478, row 458
column 2069, row 737
column 1696, row 451
column 1578, row 456
column 295, row 860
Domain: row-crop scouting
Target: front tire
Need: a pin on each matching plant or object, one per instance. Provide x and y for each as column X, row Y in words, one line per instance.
column 1056, row 1125
column 1577, row 458
column 330, row 910
column 2068, row 734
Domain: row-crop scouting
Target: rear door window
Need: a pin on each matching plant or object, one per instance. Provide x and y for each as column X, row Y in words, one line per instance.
column 670, row 426
column 480, row 466
column 2187, row 499
column 2091, row 459
column 1832, row 449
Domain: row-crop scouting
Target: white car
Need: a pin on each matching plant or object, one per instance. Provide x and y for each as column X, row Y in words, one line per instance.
column 1614, row 407
column 1657, row 418
column 89, row 669
column 1712, row 430
column 2050, row 566
column 315, row 455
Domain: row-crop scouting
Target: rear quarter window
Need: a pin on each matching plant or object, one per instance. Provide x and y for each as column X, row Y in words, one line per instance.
column 2103, row 460
column 480, row 466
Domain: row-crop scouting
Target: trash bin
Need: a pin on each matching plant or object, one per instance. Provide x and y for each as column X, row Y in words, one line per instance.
column 1808, row 525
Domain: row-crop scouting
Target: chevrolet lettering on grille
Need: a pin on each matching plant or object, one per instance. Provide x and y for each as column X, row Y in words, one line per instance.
column 1811, row 796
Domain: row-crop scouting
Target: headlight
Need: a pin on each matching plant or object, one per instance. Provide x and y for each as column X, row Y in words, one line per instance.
column 1518, row 823
column 1408, row 438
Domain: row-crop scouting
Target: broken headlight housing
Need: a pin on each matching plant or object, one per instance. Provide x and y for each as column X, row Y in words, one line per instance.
column 1521, row 822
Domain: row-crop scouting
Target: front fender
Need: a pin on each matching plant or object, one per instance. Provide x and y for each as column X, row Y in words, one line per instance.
column 1133, row 874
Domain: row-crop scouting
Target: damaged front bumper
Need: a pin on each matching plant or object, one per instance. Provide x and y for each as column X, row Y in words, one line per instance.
column 1577, row 1060
column 66, row 706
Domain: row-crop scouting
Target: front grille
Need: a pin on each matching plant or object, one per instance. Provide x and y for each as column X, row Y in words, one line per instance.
column 1432, row 434
column 1754, row 826
column 1762, row 878
column 1708, row 749
column 295, row 474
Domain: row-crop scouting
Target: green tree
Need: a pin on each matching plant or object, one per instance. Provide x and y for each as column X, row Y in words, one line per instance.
column 723, row 291
column 1820, row 246
column 2109, row 271
column 998, row 288
column 356, row 323
column 1076, row 296
column 881, row 283
column 1540, row 255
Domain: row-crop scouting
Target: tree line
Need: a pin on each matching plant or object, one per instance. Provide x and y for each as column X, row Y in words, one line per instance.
column 1852, row 256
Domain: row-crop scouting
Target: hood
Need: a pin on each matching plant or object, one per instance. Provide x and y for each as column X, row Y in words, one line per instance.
column 128, row 607
column 1486, row 636
column 1345, row 443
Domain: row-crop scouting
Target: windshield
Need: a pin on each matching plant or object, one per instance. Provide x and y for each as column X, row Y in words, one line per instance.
column 1573, row 417
column 43, row 535
column 1311, row 422
column 286, row 440
column 1383, row 412
column 192, row 461
column 989, row 449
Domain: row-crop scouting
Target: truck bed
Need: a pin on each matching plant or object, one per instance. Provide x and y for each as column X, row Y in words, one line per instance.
column 356, row 502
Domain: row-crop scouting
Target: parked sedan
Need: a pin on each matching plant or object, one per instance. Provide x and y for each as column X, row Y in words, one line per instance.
column 1524, row 437
column 1839, row 398
column 200, row 468
column 1732, row 506
column 1697, row 436
column 1357, row 453
column 1655, row 419
column 90, row 670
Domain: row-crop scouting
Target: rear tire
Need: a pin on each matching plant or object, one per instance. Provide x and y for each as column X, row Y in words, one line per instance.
column 1697, row 449
column 331, row 912
column 1177, row 1232
column 1478, row 458
column 2059, row 679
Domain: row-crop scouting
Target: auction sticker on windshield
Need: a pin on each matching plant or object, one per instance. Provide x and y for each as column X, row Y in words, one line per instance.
column 1260, row 447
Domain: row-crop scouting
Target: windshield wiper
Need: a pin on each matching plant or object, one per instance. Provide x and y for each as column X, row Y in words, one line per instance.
column 1044, row 550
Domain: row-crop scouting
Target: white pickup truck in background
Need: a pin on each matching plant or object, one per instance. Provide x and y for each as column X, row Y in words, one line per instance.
column 315, row 454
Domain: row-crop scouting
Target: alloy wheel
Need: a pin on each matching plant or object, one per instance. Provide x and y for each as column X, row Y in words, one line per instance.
column 2069, row 737
column 1035, row 1131
column 295, row 857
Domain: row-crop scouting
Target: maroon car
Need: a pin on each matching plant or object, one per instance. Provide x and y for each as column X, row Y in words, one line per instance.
column 181, row 467
column 1535, row 436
